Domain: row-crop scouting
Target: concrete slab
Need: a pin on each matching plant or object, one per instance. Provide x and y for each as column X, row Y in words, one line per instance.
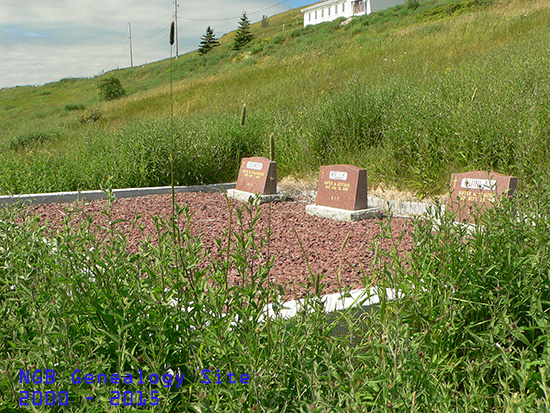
column 402, row 208
column 361, row 298
column 246, row 196
column 342, row 214
column 56, row 197
column 354, row 303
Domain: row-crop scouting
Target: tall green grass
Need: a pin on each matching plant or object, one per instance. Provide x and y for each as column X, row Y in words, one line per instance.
column 470, row 330
column 410, row 99
column 136, row 156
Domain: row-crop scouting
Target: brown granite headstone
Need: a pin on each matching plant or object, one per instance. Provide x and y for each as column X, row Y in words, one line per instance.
column 258, row 176
column 342, row 186
column 478, row 190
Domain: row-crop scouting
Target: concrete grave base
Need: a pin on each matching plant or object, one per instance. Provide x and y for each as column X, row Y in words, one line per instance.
column 342, row 214
column 246, row 196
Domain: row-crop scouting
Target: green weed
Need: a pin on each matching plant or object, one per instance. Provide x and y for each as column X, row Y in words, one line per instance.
column 469, row 329
column 410, row 101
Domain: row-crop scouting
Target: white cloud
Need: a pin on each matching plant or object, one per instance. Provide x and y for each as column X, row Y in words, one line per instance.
column 43, row 41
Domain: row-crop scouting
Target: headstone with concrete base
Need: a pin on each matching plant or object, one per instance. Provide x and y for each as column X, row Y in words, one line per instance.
column 478, row 190
column 257, row 176
column 342, row 194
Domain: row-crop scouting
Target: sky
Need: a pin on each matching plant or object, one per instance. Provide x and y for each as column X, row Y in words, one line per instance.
column 43, row 41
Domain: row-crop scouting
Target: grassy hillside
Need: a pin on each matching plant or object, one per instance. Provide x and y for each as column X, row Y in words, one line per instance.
column 410, row 94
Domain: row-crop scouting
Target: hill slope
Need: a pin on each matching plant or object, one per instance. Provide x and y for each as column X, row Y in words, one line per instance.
column 410, row 94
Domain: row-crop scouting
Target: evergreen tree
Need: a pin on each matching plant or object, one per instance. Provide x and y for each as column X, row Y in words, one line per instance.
column 243, row 36
column 208, row 41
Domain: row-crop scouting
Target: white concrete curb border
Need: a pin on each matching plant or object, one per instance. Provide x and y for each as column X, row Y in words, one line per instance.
column 397, row 208
column 403, row 208
column 47, row 198
column 332, row 302
column 360, row 301
column 243, row 196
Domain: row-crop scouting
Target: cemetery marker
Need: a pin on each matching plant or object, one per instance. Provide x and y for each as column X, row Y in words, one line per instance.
column 342, row 194
column 257, row 175
column 478, row 190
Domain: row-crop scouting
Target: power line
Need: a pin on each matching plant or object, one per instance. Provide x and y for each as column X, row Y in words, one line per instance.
column 163, row 12
column 154, row 43
column 233, row 18
column 165, row 28
column 191, row 30
column 118, row 52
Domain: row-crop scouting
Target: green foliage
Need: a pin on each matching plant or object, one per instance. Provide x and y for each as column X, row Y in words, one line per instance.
column 136, row 156
column 31, row 140
column 208, row 41
column 469, row 330
column 278, row 39
column 413, row 81
column 243, row 35
column 110, row 88
column 90, row 117
column 349, row 122
column 74, row 106
column 265, row 21
column 166, row 309
column 472, row 328
column 450, row 8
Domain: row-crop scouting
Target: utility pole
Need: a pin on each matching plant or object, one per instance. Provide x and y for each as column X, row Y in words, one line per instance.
column 130, row 36
column 176, row 24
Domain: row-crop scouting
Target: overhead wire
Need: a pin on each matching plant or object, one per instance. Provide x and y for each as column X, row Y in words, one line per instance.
column 233, row 18
column 118, row 53
column 160, row 12
column 155, row 42
column 190, row 30
column 158, row 31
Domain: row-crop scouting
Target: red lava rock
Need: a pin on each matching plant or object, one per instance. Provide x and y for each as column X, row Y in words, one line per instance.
column 321, row 239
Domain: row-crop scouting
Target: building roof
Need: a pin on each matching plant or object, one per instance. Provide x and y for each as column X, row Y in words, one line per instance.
column 322, row 4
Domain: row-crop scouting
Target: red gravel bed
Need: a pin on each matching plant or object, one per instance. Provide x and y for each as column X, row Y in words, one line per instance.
column 321, row 239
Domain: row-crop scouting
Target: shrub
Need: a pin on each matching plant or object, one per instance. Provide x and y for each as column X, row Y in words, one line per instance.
column 110, row 88
column 468, row 331
column 451, row 8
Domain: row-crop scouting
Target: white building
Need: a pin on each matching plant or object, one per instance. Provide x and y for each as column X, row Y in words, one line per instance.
column 329, row 10
column 333, row 9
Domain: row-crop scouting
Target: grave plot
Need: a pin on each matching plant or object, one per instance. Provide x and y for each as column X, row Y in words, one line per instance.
column 342, row 194
column 474, row 192
column 289, row 226
column 257, row 176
